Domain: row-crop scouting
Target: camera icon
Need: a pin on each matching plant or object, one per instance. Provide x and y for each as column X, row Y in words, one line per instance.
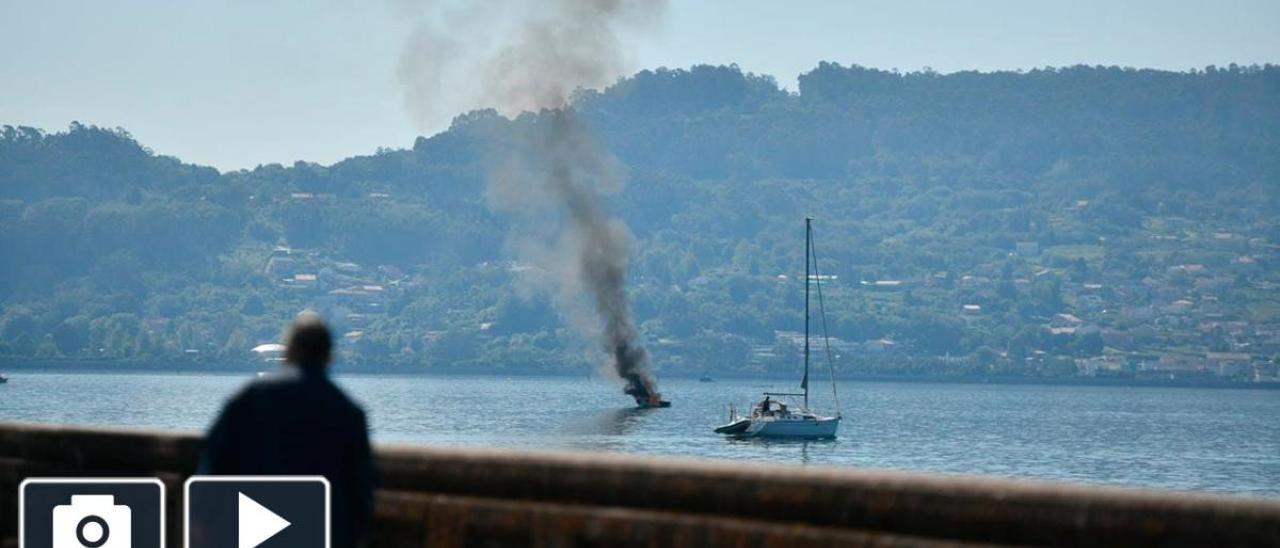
column 92, row 521
column 90, row 512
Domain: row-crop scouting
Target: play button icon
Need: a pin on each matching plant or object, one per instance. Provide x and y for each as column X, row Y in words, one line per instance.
column 257, row 523
column 257, row 511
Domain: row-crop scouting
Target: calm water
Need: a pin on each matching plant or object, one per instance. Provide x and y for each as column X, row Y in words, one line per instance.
column 1196, row 439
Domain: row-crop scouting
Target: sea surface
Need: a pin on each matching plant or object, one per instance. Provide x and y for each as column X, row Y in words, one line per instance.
column 1175, row 438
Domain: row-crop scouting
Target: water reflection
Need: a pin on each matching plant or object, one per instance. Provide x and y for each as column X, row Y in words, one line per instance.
column 613, row 422
column 608, row 430
column 804, row 449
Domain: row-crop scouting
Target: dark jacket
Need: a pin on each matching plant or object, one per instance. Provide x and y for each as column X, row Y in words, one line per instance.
column 297, row 422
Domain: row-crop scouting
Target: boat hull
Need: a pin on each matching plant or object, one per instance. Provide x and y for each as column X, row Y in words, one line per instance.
column 652, row 405
column 822, row 427
column 736, row 427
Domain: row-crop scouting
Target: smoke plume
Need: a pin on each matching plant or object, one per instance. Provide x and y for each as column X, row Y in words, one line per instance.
column 529, row 56
column 515, row 55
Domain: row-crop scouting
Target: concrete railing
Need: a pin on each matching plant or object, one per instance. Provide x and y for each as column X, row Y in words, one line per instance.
column 455, row 497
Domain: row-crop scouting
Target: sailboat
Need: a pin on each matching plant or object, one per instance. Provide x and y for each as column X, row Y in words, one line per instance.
column 772, row 417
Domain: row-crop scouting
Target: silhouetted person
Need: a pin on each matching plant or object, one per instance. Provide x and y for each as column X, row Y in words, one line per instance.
column 297, row 422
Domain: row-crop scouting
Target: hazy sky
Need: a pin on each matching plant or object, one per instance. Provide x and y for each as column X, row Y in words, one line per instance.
column 236, row 83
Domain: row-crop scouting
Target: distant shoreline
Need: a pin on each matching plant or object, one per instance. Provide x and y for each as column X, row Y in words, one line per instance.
column 134, row 367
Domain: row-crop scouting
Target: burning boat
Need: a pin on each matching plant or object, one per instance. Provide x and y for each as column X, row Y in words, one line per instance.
column 646, row 399
column 630, row 360
column 651, row 401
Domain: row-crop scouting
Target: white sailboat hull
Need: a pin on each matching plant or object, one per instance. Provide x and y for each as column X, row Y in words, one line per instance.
column 771, row 418
column 793, row 427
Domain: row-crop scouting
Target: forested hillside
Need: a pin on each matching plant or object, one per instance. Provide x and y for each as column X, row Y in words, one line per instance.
column 1083, row 220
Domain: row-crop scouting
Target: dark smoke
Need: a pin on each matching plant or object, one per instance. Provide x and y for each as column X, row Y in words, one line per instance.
column 530, row 56
column 574, row 166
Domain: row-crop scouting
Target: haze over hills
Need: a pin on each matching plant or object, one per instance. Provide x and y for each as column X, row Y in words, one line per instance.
column 1055, row 222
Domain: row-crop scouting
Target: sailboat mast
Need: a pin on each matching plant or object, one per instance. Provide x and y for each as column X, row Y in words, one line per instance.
column 808, row 235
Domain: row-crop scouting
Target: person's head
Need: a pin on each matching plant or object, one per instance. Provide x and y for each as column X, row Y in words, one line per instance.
column 308, row 343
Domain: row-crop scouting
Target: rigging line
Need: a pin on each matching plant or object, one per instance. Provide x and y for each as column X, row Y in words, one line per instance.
column 826, row 340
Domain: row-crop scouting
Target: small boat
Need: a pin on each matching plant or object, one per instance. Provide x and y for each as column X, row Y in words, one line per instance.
column 640, row 383
column 736, row 424
column 3, row 379
column 645, row 398
column 772, row 417
column 654, row 402
column 706, row 378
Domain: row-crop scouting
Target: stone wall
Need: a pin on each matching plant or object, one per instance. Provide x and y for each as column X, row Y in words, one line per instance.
column 454, row 497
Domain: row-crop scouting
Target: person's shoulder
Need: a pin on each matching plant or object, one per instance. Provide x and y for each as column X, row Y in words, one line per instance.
column 272, row 380
column 353, row 407
column 271, row 386
column 348, row 404
column 254, row 390
column 358, row 413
